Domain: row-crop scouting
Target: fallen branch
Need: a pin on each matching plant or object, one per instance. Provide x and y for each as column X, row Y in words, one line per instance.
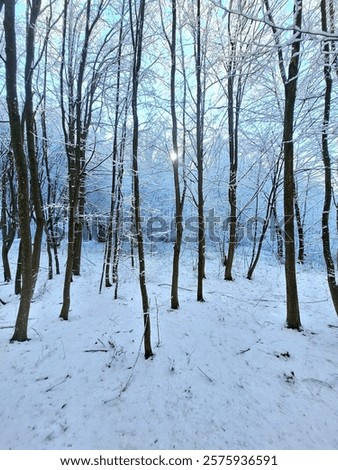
column 242, row 351
column 59, row 383
column 169, row 285
column 95, row 350
column 207, row 376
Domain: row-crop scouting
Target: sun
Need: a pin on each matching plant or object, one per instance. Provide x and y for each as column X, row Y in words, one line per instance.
column 173, row 156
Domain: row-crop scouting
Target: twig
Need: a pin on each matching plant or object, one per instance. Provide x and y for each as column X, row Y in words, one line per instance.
column 115, row 398
column 95, row 350
column 101, row 342
column 242, row 351
column 169, row 285
column 207, row 376
column 40, row 337
column 126, row 385
column 320, row 384
column 59, row 383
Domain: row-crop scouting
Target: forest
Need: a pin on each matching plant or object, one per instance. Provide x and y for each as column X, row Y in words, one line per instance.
column 170, row 157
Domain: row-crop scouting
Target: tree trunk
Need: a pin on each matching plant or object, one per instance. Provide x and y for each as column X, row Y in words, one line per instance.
column 269, row 212
column 330, row 267
column 200, row 159
column 179, row 198
column 117, row 232
column 21, row 325
column 64, row 314
column 8, row 212
column 115, row 164
column 51, row 236
column 293, row 315
column 78, row 234
column 18, row 273
column 300, row 230
column 137, row 37
column 30, row 135
column 290, row 93
column 279, row 234
column 76, row 119
column 232, row 191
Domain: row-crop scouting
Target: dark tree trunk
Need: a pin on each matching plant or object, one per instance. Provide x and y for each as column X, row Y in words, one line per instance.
column 290, row 81
column 235, row 89
column 30, row 135
column 118, row 230
column 279, row 235
column 233, row 156
column 137, row 38
column 73, row 164
column 179, row 198
column 18, row 283
column 76, row 112
column 268, row 214
column 330, row 267
column 200, row 158
column 232, row 192
column 64, row 314
column 115, row 164
column 300, row 230
column 8, row 211
column 293, row 315
column 21, row 326
column 78, row 237
column 50, row 223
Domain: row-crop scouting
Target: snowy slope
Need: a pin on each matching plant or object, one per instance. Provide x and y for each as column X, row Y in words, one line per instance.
column 226, row 373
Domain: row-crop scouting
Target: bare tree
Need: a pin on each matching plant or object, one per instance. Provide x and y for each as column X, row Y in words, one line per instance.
column 136, row 27
column 327, row 12
column 290, row 80
column 176, row 158
column 78, row 87
column 8, row 207
column 29, row 117
column 271, row 203
column 235, row 88
column 20, row 332
column 117, row 159
column 200, row 96
column 237, row 39
column 52, row 235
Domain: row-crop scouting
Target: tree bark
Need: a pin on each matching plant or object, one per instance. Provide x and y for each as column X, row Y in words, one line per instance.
column 300, row 230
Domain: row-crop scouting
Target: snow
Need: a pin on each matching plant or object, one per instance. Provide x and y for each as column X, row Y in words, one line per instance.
column 226, row 373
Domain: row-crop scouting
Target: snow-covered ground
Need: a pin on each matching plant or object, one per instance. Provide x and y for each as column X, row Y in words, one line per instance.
column 226, row 373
